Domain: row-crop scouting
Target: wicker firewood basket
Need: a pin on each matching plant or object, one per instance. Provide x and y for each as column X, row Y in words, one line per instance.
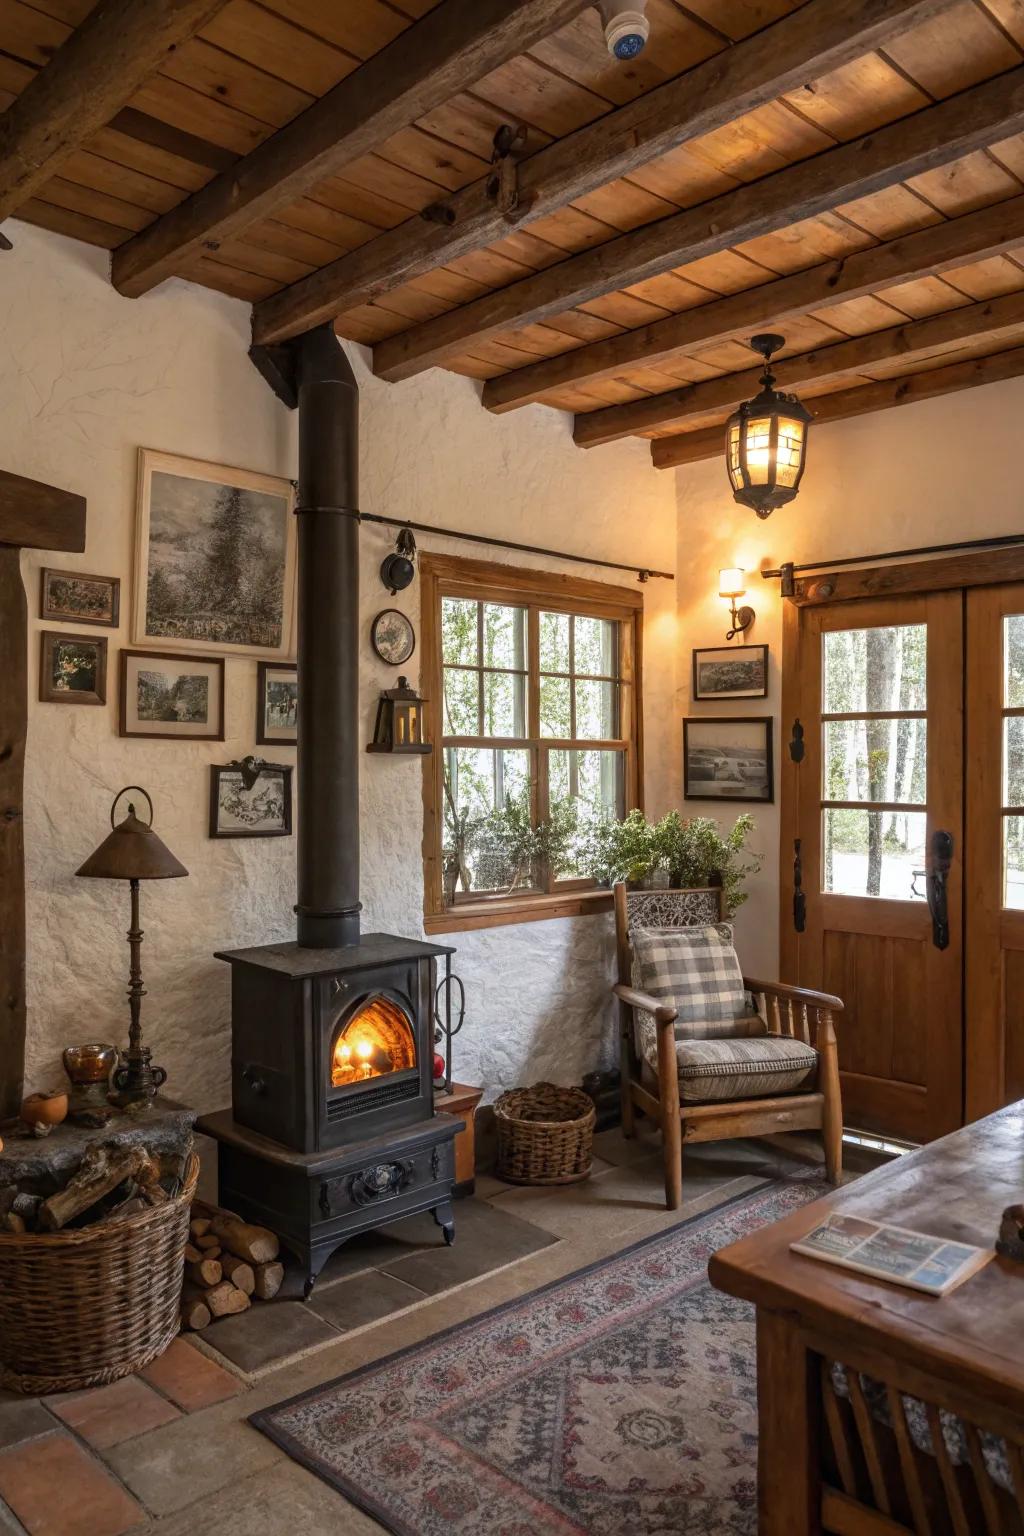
column 86, row 1306
column 545, row 1134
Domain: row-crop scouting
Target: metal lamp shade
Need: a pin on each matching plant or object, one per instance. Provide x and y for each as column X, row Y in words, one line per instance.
column 132, row 851
column 766, row 450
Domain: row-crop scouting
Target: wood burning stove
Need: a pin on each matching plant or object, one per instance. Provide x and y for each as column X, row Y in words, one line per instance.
column 332, row 1128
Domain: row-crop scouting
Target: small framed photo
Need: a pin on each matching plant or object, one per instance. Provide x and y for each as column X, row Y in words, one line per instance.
column 72, row 597
column 72, row 669
column 731, row 672
column 247, row 804
column 214, row 558
column 172, row 697
column 728, row 758
column 277, row 704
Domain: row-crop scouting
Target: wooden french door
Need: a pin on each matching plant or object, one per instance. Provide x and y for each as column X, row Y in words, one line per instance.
column 876, row 803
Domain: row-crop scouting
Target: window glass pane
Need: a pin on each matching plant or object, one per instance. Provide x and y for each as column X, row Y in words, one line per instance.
column 458, row 631
column 554, row 642
column 874, row 853
column 594, row 647
column 504, row 704
column 1013, row 862
column 1013, row 660
column 1013, row 760
column 595, row 711
column 876, row 760
column 504, row 637
column 872, row 669
column 461, row 702
column 480, row 850
column 594, row 784
column 555, row 715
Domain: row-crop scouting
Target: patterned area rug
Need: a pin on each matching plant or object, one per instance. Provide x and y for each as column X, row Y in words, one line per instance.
column 621, row 1399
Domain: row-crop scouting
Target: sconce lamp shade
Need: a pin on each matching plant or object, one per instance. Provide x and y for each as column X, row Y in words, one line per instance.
column 766, row 441
column 732, row 582
column 132, row 851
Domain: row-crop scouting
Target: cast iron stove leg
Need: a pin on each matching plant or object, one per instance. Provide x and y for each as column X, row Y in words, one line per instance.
column 445, row 1218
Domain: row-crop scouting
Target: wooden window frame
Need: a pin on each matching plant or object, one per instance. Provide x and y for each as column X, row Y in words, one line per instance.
column 480, row 581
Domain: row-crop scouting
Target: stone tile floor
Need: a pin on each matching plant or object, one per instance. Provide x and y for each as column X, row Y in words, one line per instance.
column 170, row 1452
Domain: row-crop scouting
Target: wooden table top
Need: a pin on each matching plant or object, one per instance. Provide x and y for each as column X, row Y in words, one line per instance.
column 955, row 1188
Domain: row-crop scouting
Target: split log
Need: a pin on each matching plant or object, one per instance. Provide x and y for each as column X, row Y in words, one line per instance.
column 104, row 1167
column 198, row 1226
column 239, row 1273
column 207, row 1240
column 194, row 1311
column 269, row 1279
column 257, row 1245
column 12, row 1222
column 225, row 1299
column 192, row 1254
column 204, row 1273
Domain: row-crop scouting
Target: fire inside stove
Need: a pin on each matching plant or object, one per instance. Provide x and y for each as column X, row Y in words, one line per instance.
column 376, row 1040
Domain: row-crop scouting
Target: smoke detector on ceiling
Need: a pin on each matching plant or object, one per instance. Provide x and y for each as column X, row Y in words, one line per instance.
column 626, row 28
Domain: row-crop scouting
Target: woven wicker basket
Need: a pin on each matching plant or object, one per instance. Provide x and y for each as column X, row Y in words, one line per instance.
column 545, row 1134
column 87, row 1306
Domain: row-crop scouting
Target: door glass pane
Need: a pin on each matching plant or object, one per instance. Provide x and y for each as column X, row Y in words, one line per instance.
column 876, row 760
column 874, row 669
column 1013, row 862
column 458, row 631
column 461, row 702
column 1013, row 760
column 478, row 783
column 874, row 853
column 1013, row 660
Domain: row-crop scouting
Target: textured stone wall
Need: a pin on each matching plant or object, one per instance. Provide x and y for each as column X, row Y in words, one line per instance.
column 89, row 377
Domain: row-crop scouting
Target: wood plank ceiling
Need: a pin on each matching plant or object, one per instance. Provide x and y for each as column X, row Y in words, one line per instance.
column 740, row 174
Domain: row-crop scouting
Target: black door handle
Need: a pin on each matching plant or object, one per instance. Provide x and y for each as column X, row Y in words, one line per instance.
column 935, row 885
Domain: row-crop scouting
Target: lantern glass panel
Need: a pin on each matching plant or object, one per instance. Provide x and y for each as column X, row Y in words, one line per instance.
column 790, row 451
column 733, row 452
column 759, row 450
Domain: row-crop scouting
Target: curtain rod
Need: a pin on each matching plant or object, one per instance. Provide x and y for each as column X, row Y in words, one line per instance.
column 643, row 572
column 787, row 571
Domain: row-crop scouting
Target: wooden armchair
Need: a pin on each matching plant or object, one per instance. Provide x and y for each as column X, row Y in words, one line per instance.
column 798, row 1019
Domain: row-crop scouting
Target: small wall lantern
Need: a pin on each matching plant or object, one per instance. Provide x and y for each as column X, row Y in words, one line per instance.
column 732, row 583
column 766, row 441
column 399, row 725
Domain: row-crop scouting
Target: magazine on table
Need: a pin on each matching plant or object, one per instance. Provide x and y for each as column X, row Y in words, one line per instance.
column 915, row 1259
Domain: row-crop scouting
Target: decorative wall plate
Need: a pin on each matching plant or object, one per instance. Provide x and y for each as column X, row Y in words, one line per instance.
column 393, row 637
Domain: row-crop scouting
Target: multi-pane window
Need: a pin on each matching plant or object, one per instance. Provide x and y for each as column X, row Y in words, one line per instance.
column 874, row 761
column 535, row 729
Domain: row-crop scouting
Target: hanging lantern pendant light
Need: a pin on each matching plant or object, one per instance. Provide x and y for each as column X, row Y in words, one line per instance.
column 766, row 440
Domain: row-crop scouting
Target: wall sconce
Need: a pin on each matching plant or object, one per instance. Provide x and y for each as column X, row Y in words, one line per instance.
column 399, row 725
column 732, row 583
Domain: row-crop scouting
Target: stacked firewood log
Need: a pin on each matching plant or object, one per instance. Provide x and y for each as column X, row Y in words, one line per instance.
column 112, row 1182
column 228, row 1264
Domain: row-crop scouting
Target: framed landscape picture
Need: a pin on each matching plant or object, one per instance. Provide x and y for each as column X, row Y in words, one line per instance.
column 214, row 558
column 731, row 672
column 728, row 758
column 169, row 696
column 72, row 669
column 72, row 597
column 277, row 703
column 261, row 808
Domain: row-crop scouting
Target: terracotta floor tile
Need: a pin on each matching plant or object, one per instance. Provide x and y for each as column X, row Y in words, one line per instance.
column 56, row 1488
column 107, row 1415
column 189, row 1379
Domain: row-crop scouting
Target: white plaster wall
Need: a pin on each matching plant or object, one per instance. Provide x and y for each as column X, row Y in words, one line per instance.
column 929, row 473
column 88, row 377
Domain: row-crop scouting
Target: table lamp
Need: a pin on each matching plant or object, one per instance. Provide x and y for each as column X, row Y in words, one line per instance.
column 132, row 851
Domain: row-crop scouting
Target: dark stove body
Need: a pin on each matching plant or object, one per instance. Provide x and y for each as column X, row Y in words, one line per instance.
column 314, row 1159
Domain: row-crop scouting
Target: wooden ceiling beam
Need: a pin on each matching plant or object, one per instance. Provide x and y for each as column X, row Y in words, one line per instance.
column 820, row 37
column 89, row 79
column 955, row 242
column 452, row 47
column 970, row 324
column 932, row 137
column 709, row 442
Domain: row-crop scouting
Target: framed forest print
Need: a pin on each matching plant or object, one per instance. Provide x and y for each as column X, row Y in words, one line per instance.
column 214, row 558
column 167, row 696
column 72, row 597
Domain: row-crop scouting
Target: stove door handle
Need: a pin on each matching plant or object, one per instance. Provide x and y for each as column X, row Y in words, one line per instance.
column 254, row 1081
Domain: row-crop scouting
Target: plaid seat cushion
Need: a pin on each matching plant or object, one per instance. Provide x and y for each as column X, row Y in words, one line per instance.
column 712, row 1071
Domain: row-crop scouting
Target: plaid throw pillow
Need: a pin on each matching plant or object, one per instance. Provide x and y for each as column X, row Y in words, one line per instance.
column 694, row 969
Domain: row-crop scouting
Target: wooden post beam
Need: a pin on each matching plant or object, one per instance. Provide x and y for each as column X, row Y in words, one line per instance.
column 982, row 322
column 934, row 136
column 453, row 46
column 953, row 243
column 820, row 37
column 37, row 516
column 90, row 77
column 709, row 442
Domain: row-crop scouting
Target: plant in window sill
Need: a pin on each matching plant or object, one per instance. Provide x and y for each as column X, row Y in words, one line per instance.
column 683, row 853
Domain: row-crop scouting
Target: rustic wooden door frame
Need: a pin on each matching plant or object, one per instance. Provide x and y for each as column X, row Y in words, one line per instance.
column 32, row 516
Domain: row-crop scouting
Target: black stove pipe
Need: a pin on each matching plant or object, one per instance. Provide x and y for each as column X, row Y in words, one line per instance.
column 328, row 645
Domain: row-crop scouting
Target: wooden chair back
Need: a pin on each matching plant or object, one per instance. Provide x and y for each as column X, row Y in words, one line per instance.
column 692, row 907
